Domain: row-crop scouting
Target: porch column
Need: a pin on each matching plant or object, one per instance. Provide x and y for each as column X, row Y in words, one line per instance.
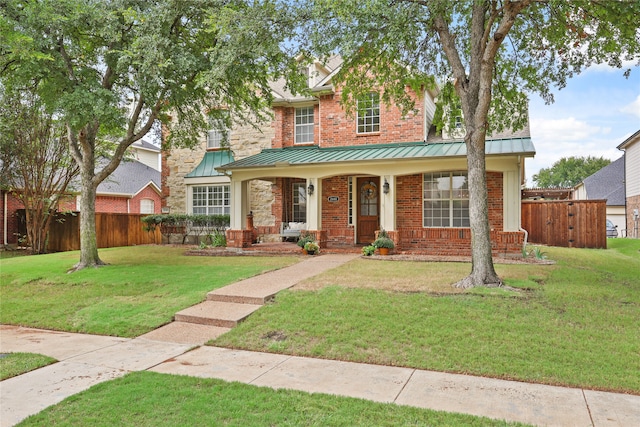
column 388, row 203
column 314, row 204
column 239, row 204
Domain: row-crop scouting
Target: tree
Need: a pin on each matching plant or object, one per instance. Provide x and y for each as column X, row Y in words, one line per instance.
column 569, row 171
column 110, row 70
column 35, row 160
column 492, row 51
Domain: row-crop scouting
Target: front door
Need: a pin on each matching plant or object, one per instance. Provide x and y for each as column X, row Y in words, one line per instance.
column 368, row 209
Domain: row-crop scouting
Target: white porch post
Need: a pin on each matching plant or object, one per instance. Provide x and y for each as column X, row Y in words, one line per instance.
column 314, row 204
column 239, row 205
column 388, row 203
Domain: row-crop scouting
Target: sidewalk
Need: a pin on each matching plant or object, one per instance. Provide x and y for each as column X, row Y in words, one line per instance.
column 86, row 360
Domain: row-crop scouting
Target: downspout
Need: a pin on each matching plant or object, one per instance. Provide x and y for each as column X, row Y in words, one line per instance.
column 5, row 226
column 526, row 233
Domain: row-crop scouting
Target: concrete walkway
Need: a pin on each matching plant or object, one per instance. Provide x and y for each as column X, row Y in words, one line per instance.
column 86, row 360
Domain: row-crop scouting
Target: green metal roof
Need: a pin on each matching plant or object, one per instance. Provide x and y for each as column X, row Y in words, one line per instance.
column 310, row 155
column 211, row 161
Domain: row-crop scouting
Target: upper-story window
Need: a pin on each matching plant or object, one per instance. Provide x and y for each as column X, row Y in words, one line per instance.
column 304, row 125
column 369, row 113
column 219, row 132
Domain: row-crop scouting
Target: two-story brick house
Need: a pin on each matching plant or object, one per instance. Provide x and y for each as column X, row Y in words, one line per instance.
column 346, row 177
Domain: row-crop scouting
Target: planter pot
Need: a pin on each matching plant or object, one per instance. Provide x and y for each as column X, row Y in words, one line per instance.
column 304, row 251
column 383, row 251
column 311, row 252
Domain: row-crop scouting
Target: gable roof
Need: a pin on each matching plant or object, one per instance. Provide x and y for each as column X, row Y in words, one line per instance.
column 129, row 178
column 145, row 145
column 629, row 141
column 308, row 155
column 607, row 183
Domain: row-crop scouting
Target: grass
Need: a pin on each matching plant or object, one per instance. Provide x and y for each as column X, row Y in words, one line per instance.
column 142, row 288
column 151, row 399
column 14, row 364
column 574, row 323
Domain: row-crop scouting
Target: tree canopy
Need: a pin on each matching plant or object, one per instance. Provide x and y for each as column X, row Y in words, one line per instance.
column 569, row 171
column 111, row 70
column 35, row 164
column 493, row 52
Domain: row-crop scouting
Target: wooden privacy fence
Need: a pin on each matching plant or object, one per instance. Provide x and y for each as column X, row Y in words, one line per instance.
column 112, row 229
column 567, row 223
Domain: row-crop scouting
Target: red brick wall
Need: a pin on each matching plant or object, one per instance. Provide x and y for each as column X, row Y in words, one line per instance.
column 338, row 130
column 13, row 204
column 111, row 204
column 146, row 193
column 333, row 128
column 335, row 215
column 449, row 241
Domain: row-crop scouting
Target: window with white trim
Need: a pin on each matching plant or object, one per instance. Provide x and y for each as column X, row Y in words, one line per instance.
column 211, row 200
column 299, row 202
column 147, row 206
column 304, row 125
column 446, row 199
column 218, row 133
column 369, row 113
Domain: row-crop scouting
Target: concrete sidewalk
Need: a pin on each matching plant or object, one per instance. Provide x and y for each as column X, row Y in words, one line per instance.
column 86, row 360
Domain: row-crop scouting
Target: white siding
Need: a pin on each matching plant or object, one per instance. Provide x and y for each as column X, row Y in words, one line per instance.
column 632, row 168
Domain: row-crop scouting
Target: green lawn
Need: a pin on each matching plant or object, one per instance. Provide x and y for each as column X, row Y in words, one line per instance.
column 142, row 288
column 13, row 364
column 151, row 399
column 575, row 323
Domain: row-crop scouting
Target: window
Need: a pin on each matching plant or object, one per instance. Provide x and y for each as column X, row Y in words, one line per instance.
column 369, row 113
column 299, row 202
column 218, row 134
column 304, row 125
column 212, row 200
column 147, row 206
column 446, row 199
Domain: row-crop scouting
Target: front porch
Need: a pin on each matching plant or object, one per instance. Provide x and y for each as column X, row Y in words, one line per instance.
column 416, row 192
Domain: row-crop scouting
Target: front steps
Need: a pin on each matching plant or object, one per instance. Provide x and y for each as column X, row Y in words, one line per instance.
column 216, row 313
column 225, row 307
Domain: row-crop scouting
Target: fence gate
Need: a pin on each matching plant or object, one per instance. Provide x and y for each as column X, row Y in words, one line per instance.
column 567, row 223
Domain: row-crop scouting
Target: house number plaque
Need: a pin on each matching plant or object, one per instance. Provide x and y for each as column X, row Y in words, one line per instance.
column 333, row 199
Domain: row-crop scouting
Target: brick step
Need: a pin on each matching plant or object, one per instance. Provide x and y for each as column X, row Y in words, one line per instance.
column 216, row 313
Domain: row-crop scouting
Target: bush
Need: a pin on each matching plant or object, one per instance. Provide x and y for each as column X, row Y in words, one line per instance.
column 305, row 238
column 368, row 250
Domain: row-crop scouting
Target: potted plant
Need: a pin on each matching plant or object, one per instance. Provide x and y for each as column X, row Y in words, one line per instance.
column 311, row 248
column 304, row 239
column 384, row 243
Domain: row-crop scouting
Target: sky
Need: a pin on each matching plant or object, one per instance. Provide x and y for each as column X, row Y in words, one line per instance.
column 591, row 116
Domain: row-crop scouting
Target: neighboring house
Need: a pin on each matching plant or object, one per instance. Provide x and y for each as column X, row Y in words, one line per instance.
column 132, row 188
column 631, row 148
column 146, row 153
column 344, row 178
column 547, row 193
column 607, row 184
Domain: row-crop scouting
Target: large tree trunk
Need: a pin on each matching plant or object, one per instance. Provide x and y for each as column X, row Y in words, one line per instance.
column 88, row 238
column 482, row 270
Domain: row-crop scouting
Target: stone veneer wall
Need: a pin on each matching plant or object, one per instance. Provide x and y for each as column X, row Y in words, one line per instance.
column 245, row 141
